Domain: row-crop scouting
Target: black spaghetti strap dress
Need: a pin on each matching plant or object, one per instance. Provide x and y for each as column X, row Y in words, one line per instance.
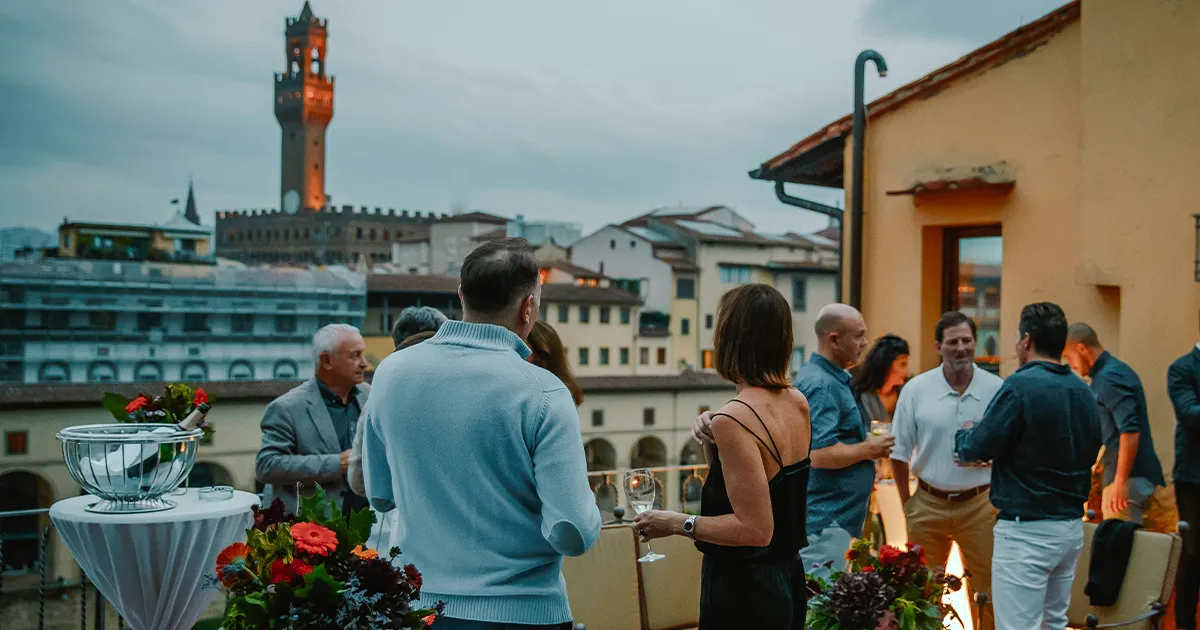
column 757, row 587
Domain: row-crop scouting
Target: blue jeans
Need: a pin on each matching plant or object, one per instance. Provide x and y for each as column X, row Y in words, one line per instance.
column 446, row 623
column 1033, row 566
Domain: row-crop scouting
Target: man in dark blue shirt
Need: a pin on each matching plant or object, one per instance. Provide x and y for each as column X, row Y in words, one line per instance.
column 1041, row 433
column 1131, row 468
column 1183, row 386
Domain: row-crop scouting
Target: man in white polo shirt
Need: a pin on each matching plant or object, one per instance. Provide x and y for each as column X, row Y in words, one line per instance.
column 951, row 502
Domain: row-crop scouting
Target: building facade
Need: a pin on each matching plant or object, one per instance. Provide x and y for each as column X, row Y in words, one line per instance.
column 1078, row 189
column 83, row 321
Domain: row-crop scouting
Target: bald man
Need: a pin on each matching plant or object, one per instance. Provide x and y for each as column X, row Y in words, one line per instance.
column 843, row 450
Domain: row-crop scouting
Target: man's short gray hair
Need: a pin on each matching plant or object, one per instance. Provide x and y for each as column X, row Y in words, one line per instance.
column 416, row 319
column 328, row 338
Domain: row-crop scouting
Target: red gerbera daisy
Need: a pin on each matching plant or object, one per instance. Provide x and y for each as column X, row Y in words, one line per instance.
column 289, row 571
column 231, row 563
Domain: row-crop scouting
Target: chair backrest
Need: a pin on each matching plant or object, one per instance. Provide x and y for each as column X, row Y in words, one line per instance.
column 604, row 585
column 892, row 512
column 672, row 586
column 1150, row 578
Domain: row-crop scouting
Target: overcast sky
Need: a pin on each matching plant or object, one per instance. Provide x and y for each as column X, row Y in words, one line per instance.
column 590, row 112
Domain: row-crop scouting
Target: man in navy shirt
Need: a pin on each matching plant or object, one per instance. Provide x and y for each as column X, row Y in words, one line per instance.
column 1183, row 385
column 1131, row 468
column 1041, row 433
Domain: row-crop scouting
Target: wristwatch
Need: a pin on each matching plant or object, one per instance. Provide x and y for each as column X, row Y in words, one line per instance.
column 689, row 527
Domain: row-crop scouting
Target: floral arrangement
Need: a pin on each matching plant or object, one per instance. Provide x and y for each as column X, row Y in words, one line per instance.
column 170, row 407
column 894, row 591
column 313, row 571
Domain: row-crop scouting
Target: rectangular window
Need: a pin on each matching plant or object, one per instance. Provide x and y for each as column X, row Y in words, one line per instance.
column 731, row 274
column 685, row 288
column 195, row 322
column 56, row 320
column 564, row 313
column 708, row 321
column 542, row 312
column 624, row 356
column 285, row 323
column 102, row 320
column 603, row 356
column 706, row 359
column 644, row 356
column 597, row 417
column 625, row 314
column 662, row 356
column 648, row 417
column 605, row 315
column 241, row 322
column 972, row 260
column 685, row 326
column 799, row 295
column 583, row 356
column 146, row 321
column 585, row 314
column 16, row 442
column 797, row 358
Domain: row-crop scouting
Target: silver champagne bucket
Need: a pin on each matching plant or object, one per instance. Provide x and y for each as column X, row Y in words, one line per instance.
column 129, row 466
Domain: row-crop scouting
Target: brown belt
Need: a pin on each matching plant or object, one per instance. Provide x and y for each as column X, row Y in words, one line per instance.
column 957, row 496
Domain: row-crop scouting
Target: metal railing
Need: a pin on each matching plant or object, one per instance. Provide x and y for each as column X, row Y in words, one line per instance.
column 678, row 489
column 30, row 596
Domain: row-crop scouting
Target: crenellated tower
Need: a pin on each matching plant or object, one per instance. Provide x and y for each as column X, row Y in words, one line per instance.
column 303, row 107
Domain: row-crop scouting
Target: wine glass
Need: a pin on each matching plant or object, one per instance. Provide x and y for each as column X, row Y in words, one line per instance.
column 881, row 428
column 640, row 489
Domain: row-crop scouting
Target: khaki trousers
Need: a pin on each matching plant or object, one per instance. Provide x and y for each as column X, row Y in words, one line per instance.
column 934, row 523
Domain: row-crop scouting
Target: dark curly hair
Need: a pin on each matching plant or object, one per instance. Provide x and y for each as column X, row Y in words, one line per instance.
column 872, row 373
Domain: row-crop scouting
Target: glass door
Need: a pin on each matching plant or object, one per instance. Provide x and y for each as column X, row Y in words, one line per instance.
column 971, row 272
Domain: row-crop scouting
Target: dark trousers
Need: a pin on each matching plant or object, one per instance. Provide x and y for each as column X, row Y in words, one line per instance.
column 1187, row 498
column 446, row 623
column 735, row 594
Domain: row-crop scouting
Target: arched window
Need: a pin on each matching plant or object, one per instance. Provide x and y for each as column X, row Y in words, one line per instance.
column 286, row 370
column 600, row 455
column 241, row 371
column 649, row 452
column 54, row 372
column 194, row 371
column 20, row 490
column 148, row 371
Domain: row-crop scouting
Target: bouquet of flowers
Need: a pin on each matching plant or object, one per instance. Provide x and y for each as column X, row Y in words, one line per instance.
column 895, row 591
column 170, row 407
column 313, row 571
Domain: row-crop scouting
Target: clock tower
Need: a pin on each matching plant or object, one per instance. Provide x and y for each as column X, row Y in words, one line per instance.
column 303, row 107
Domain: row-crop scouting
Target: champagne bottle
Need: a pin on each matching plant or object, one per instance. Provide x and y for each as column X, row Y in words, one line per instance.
column 194, row 419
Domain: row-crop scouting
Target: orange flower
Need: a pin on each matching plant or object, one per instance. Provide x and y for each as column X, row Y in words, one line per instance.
column 428, row 621
column 231, row 563
column 136, row 403
column 314, row 539
column 364, row 554
column 289, row 571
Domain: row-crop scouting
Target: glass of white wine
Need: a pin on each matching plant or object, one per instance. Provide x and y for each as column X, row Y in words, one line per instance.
column 640, row 489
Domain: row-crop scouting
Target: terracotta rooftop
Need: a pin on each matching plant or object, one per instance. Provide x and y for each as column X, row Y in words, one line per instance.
column 490, row 235
column 19, row 396
column 553, row 292
column 823, row 151
column 574, row 270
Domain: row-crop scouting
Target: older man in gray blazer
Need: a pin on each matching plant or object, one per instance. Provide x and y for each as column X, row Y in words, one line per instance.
column 307, row 433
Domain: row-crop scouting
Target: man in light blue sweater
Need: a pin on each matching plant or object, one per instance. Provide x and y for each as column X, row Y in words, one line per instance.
column 480, row 452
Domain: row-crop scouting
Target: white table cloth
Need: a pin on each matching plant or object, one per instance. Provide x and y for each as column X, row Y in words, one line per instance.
column 152, row 567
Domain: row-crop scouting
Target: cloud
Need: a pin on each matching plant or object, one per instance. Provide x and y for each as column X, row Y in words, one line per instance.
column 963, row 22
column 575, row 111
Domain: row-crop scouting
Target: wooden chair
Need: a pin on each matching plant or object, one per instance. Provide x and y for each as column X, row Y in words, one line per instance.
column 671, row 587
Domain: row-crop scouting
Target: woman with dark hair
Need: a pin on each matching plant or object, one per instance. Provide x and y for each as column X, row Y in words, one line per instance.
column 752, row 511
column 876, row 384
column 878, row 379
column 550, row 355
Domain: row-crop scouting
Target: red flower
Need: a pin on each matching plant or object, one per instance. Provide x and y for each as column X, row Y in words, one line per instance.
column 428, row 621
column 888, row 555
column 231, row 563
column 289, row 571
column 868, row 569
column 413, row 576
column 136, row 403
column 200, row 397
column 314, row 539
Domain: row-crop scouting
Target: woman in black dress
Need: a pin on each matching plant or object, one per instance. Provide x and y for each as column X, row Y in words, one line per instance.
column 752, row 514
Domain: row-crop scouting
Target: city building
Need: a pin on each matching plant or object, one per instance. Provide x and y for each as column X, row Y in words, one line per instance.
column 681, row 260
column 20, row 242
column 561, row 233
column 90, row 321
column 1078, row 189
column 180, row 239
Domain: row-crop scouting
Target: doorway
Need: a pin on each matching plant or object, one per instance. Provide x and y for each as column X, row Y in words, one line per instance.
column 972, row 265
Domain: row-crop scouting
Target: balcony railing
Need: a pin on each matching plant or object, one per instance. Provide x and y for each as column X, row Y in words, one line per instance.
column 678, row 489
column 29, row 596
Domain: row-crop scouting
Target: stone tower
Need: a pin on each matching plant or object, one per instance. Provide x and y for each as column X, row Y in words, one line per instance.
column 303, row 107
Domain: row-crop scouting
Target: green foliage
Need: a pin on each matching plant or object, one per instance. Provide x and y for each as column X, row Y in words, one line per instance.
column 115, row 405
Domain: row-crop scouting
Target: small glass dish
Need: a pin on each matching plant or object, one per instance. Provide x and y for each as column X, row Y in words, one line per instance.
column 216, row 493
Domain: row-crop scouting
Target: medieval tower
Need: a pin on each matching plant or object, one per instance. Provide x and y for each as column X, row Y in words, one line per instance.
column 303, row 107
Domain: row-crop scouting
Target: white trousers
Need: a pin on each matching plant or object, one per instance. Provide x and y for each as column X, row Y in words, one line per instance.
column 1033, row 567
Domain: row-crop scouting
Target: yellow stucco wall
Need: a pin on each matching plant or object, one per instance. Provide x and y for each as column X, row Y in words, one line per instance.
column 1105, row 157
